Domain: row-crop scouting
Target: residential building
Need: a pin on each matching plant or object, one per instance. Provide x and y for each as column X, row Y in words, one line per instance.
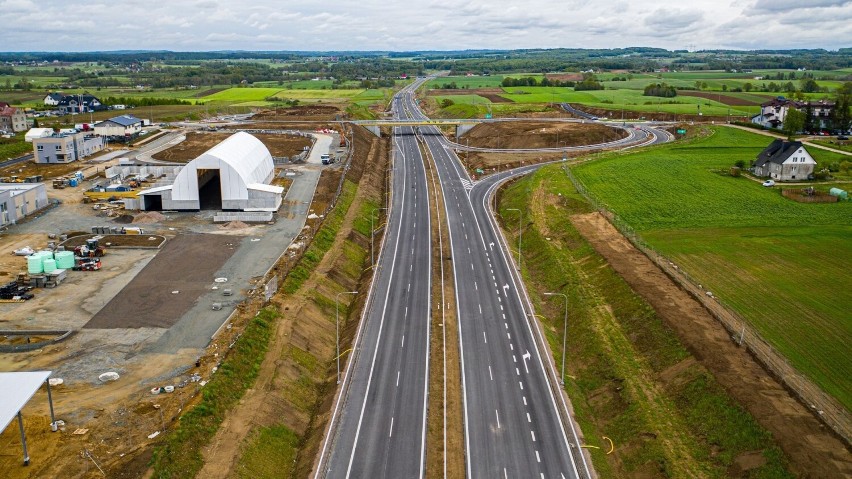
column 774, row 112
column 80, row 103
column 65, row 148
column 119, row 127
column 18, row 200
column 12, row 119
column 784, row 161
column 53, row 99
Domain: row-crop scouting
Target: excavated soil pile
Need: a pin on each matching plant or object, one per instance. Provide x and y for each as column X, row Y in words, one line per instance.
column 123, row 219
column 148, row 218
column 303, row 112
column 235, row 225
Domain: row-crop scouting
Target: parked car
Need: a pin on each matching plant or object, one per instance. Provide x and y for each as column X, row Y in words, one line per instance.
column 769, row 183
column 842, row 137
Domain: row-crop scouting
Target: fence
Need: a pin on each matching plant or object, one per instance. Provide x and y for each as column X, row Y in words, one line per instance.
column 823, row 405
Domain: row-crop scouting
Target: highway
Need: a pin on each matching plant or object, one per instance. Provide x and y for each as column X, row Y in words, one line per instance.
column 516, row 420
column 512, row 411
column 381, row 427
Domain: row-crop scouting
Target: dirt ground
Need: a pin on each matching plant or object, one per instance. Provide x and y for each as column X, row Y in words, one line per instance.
column 539, row 134
column 186, row 264
column 727, row 100
column 197, row 143
column 301, row 112
column 813, row 450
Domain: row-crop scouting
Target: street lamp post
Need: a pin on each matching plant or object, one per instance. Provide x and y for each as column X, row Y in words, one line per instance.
column 337, row 327
column 373, row 234
column 564, row 331
column 520, row 220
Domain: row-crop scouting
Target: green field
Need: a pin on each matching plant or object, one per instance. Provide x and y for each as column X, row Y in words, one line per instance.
column 631, row 100
column 782, row 265
column 491, row 81
column 618, row 350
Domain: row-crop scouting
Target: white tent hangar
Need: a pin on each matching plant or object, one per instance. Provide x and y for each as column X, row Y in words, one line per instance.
column 232, row 176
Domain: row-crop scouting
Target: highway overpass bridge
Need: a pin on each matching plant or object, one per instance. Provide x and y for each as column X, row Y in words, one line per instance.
column 463, row 125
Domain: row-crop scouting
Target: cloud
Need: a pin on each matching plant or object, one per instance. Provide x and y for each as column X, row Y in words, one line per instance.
column 424, row 25
column 665, row 19
column 763, row 6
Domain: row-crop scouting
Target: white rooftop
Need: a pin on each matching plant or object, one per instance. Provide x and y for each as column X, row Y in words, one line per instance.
column 18, row 188
column 16, row 389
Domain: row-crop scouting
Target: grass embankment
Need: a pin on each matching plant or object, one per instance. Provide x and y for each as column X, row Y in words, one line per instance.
column 287, row 435
column 285, row 450
column 180, row 453
column 321, row 242
column 629, row 377
column 779, row 264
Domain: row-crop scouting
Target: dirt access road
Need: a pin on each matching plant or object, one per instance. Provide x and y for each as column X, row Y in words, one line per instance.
column 813, row 450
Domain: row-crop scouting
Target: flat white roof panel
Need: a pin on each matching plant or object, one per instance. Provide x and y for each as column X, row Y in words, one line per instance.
column 16, row 389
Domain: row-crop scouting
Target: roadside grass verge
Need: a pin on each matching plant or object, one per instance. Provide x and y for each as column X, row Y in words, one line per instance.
column 629, row 377
column 322, row 241
column 778, row 263
column 180, row 453
column 271, row 454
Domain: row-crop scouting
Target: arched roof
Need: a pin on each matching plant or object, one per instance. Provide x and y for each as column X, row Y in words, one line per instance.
column 242, row 161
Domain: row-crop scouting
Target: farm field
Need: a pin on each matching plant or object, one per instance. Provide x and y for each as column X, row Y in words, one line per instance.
column 631, row 100
column 490, row 81
column 778, row 263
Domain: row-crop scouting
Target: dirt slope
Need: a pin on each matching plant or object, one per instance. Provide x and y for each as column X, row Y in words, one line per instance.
column 814, row 451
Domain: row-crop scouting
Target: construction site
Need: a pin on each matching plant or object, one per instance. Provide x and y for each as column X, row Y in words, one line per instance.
column 132, row 310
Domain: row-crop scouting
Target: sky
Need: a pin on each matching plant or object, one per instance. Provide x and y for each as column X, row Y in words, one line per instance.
column 202, row 25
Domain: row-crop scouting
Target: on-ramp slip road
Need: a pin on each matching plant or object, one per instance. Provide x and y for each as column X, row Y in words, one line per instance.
column 382, row 425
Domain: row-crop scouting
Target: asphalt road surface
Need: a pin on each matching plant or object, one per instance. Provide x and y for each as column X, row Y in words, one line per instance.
column 382, row 424
column 516, row 419
column 513, row 426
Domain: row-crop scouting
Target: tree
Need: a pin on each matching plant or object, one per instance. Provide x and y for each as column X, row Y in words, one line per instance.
column 739, row 164
column 747, row 86
column 809, row 85
column 35, row 122
column 841, row 116
column 794, row 122
column 811, row 123
column 661, row 90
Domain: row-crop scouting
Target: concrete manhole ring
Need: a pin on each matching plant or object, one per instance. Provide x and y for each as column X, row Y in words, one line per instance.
column 220, row 280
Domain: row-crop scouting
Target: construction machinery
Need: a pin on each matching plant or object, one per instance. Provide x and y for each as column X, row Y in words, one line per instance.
column 87, row 264
column 90, row 250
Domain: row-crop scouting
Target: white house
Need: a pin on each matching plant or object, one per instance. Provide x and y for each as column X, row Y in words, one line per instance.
column 119, row 126
column 53, row 99
column 784, row 161
column 774, row 112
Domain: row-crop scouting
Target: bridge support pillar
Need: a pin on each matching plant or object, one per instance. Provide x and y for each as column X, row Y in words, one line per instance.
column 375, row 129
column 462, row 129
